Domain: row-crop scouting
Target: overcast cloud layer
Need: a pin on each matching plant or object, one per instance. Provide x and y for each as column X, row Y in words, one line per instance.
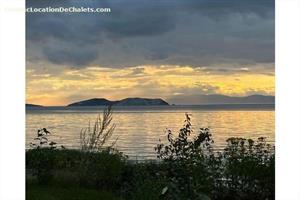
column 142, row 32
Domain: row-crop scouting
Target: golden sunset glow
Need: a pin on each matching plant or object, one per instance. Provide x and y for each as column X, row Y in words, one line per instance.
column 142, row 81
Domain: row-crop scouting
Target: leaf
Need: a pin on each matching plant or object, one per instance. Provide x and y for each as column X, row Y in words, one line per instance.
column 52, row 143
column 164, row 190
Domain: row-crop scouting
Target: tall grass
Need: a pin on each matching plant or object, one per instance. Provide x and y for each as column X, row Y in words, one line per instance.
column 94, row 137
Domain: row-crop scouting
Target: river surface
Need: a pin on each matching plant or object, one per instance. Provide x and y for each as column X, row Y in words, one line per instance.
column 138, row 129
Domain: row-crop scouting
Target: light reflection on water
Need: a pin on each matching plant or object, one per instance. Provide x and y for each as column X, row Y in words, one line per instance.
column 138, row 131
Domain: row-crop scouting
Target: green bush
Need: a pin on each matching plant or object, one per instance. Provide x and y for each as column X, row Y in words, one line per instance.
column 94, row 169
column 142, row 181
column 193, row 170
column 41, row 158
column 248, row 170
column 41, row 164
column 188, row 162
column 102, row 169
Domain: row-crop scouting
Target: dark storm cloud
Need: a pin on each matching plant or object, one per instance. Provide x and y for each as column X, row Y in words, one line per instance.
column 190, row 32
column 66, row 55
column 221, row 8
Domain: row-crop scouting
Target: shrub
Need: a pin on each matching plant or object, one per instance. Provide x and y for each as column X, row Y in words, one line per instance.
column 41, row 158
column 141, row 181
column 41, row 163
column 187, row 160
column 102, row 170
column 248, row 170
column 193, row 170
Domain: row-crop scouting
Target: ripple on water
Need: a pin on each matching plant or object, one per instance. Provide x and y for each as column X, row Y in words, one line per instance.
column 138, row 132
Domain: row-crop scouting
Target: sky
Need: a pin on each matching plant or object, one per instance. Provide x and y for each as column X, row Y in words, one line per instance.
column 153, row 49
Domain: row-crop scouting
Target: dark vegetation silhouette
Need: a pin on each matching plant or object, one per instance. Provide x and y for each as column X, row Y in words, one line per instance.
column 93, row 138
column 245, row 169
column 41, row 156
column 188, row 167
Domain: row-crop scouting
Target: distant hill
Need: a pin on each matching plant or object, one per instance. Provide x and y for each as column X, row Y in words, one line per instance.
column 28, row 105
column 141, row 102
column 93, row 102
column 175, row 100
column 220, row 99
column 123, row 102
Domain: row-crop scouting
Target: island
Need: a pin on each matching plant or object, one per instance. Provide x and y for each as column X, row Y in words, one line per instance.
column 28, row 105
column 124, row 102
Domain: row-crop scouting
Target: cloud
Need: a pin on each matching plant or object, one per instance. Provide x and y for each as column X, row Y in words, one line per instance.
column 222, row 8
column 191, row 32
column 58, row 53
column 143, row 81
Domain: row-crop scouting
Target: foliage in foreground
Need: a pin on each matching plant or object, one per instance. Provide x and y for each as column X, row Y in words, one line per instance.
column 42, row 192
column 245, row 169
column 189, row 168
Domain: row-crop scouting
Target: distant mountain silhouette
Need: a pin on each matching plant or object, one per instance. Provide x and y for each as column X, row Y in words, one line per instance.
column 93, row 102
column 220, row 99
column 28, row 105
column 123, row 102
column 175, row 100
column 141, row 102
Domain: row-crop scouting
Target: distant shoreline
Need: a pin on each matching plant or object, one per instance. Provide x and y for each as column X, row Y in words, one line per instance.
column 170, row 107
column 214, row 99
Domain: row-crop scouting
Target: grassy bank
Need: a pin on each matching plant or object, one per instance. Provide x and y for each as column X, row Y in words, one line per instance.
column 236, row 173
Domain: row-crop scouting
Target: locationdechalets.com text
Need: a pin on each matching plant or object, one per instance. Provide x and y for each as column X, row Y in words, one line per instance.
column 71, row 9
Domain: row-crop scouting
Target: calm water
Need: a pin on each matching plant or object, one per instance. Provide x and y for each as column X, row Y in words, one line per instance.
column 138, row 129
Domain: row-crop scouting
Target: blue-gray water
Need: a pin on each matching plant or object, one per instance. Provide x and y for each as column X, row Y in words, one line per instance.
column 139, row 128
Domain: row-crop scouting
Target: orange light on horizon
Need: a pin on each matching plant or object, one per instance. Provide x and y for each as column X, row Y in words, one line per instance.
column 142, row 81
